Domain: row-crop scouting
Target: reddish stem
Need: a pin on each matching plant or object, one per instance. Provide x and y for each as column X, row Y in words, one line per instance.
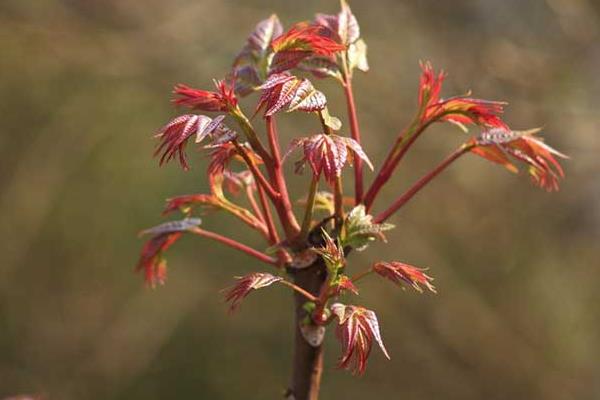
column 268, row 216
column 360, row 275
column 283, row 206
column 254, row 205
column 338, row 198
column 355, row 132
column 248, row 129
column 308, row 360
column 403, row 199
column 235, row 244
column 391, row 162
column 258, row 176
column 298, row 289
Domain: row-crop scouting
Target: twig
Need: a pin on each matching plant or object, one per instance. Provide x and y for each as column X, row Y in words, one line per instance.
column 235, row 244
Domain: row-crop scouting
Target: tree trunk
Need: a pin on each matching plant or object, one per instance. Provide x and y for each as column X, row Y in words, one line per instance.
column 308, row 360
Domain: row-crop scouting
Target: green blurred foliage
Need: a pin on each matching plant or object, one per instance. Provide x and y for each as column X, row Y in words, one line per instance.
column 84, row 84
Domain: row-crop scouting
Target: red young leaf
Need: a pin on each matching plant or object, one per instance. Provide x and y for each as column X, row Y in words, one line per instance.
column 222, row 100
column 256, row 280
column 356, row 329
column 399, row 273
column 284, row 90
column 284, row 95
column 327, row 154
column 430, row 85
column 305, row 37
column 151, row 259
column 460, row 109
column 498, row 144
column 175, row 135
column 223, row 153
column 301, row 41
column 186, row 202
column 288, row 59
column 345, row 283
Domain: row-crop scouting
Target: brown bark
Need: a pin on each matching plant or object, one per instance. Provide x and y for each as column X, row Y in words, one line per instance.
column 308, row 360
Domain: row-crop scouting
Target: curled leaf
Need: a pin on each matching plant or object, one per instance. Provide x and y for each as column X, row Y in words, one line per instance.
column 460, row 110
column 398, row 273
column 221, row 100
column 151, row 260
column 173, row 226
column 357, row 328
column 246, row 284
column 499, row 145
column 175, row 135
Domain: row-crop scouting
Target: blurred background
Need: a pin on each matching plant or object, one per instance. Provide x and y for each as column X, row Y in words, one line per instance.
column 85, row 83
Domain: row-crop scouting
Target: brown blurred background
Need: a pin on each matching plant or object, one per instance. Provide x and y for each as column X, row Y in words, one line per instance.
column 84, row 84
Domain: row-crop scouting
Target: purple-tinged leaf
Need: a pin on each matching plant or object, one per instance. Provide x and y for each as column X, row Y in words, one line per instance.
column 307, row 98
column 246, row 80
column 284, row 95
column 203, row 129
column 276, row 80
column 321, row 67
column 173, row 226
column 342, row 27
column 326, row 154
column 348, row 29
column 264, row 33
